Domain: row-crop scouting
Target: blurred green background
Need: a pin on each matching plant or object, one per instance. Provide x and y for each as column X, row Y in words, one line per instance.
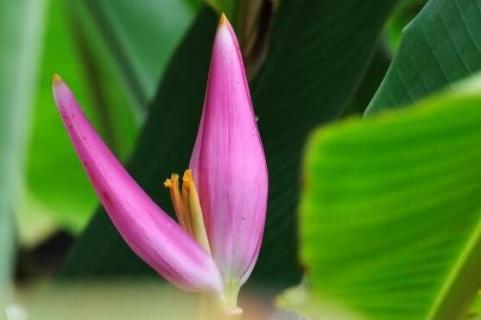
column 139, row 70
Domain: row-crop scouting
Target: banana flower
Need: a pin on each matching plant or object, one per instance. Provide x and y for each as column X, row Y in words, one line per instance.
column 221, row 200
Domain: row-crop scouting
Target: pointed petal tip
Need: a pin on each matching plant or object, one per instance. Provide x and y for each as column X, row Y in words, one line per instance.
column 61, row 93
column 224, row 24
column 57, row 79
column 223, row 21
column 225, row 36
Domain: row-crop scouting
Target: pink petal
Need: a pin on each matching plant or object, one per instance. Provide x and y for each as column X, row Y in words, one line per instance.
column 148, row 230
column 229, row 164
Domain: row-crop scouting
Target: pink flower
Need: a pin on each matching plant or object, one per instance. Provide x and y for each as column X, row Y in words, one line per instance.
column 221, row 202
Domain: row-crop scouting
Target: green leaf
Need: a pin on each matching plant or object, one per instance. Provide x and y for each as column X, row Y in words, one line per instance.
column 21, row 24
column 301, row 84
column 439, row 47
column 391, row 213
column 142, row 36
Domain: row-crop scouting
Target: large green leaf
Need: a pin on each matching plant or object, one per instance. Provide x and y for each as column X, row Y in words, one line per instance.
column 20, row 29
column 308, row 78
column 142, row 36
column 440, row 46
column 391, row 214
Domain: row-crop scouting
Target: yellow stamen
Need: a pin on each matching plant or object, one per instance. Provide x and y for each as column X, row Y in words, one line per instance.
column 181, row 211
column 187, row 207
column 191, row 197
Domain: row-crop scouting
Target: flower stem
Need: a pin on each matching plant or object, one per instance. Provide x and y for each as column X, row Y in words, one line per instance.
column 224, row 307
column 230, row 299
